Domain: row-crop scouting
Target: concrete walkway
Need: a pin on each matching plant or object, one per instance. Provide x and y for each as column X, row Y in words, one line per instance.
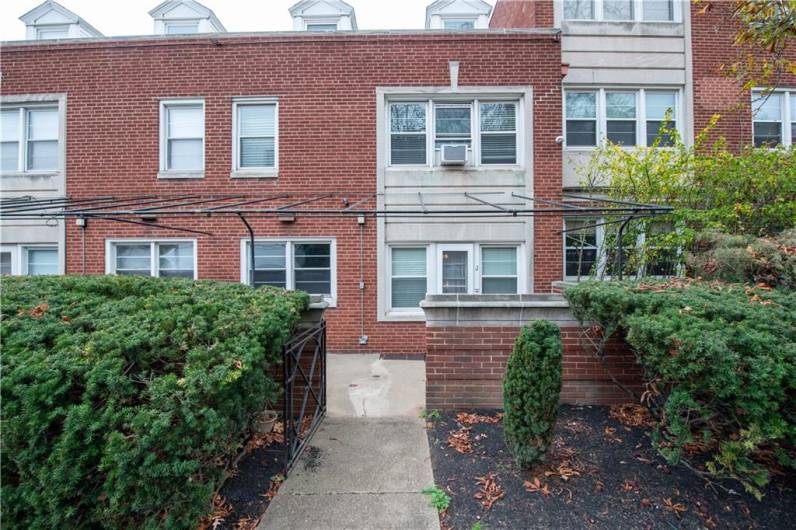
column 369, row 460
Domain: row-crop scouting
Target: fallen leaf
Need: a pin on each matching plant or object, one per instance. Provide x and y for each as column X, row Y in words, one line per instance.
column 678, row 508
column 536, row 486
column 465, row 418
column 490, row 491
column 460, row 440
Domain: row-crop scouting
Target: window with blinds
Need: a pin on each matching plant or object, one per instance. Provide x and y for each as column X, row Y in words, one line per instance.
column 408, row 277
column 183, row 130
column 164, row 259
column 256, row 135
column 408, row 134
column 498, row 133
column 498, row 270
column 301, row 265
column 29, row 139
column 40, row 261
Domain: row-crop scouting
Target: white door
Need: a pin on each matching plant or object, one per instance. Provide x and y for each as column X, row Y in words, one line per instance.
column 455, row 269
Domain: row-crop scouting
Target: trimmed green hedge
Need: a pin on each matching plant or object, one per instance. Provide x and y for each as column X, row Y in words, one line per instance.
column 123, row 398
column 719, row 362
column 531, row 390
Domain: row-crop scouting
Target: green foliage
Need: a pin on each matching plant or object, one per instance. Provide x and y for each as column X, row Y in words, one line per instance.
column 437, row 498
column 745, row 259
column 124, row 397
column 719, row 363
column 531, row 389
column 430, row 414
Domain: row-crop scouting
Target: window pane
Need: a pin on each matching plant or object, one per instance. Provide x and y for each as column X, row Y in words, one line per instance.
column 498, row 117
column 659, row 103
column 256, row 120
column 409, row 262
column 622, row 132
column 620, row 105
column 499, row 285
column 311, row 255
column 186, row 154
column 408, row 117
column 408, row 149
column 767, row 134
column 454, row 271
column 499, row 148
column 43, row 155
column 459, row 24
column 408, row 292
column 321, row 27
column 269, row 256
column 257, row 152
column 581, row 133
column 499, row 261
column 181, row 29
column 767, row 107
column 52, row 33
column 582, row 105
column 453, row 123
column 618, row 9
column 793, row 109
column 9, row 123
column 657, row 129
column 133, row 260
column 43, row 124
column 5, row 263
column 42, row 261
column 10, row 156
column 274, row 278
column 658, row 10
column 176, row 259
column 185, row 121
column 581, row 232
column 314, row 282
column 580, row 262
column 579, row 9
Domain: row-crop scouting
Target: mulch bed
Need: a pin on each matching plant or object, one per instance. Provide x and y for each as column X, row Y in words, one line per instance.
column 255, row 479
column 600, row 473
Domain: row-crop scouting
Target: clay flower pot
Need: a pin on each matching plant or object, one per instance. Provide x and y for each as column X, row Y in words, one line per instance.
column 264, row 422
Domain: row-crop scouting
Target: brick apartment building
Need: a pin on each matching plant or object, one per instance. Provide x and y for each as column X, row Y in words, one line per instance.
column 529, row 88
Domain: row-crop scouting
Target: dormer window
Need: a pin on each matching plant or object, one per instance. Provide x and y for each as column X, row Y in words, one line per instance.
column 458, row 15
column 185, row 17
column 323, row 15
column 181, row 28
column 50, row 20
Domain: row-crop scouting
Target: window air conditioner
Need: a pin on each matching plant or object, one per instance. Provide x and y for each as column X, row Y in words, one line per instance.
column 454, row 155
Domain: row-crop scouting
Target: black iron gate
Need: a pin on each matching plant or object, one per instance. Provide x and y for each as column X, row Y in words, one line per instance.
column 305, row 389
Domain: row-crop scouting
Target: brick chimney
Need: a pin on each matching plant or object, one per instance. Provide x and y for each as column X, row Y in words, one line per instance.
column 522, row 14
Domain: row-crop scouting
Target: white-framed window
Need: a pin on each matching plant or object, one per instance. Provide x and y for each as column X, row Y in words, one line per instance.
column 255, row 144
column 489, row 128
column 29, row 259
column 162, row 258
column 622, row 10
column 458, row 23
column 182, row 136
column 416, row 270
column 52, row 32
column 308, row 265
column 627, row 117
column 185, row 27
column 408, row 277
column 321, row 26
column 29, row 140
column 774, row 118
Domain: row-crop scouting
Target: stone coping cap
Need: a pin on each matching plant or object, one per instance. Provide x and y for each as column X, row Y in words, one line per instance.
column 494, row 301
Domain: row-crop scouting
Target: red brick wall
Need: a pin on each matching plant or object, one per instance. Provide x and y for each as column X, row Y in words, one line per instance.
column 519, row 14
column 327, row 119
column 465, row 367
column 713, row 31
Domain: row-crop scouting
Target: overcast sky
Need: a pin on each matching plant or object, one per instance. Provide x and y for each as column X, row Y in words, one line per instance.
column 130, row 17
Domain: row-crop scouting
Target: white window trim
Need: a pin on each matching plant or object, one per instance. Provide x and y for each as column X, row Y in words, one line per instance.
column 785, row 114
column 430, row 278
column 110, row 253
column 180, row 23
column 289, row 272
column 312, row 21
column 638, row 14
column 641, row 114
column 254, row 172
column 23, row 108
column 19, row 265
column 434, row 272
column 474, row 150
column 460, row 18
column 164, row 172
column 52, row 27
